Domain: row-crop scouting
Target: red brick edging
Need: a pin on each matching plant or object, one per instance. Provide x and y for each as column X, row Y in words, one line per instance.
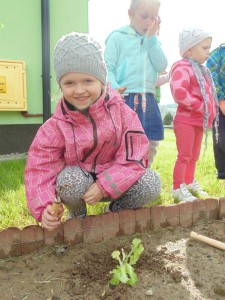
column 94, row 229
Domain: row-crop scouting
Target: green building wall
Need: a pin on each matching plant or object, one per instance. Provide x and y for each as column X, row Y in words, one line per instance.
column 21, row 39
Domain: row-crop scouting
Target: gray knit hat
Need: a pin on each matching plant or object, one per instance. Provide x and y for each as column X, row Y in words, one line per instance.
column 78, row 52
column 189, row 37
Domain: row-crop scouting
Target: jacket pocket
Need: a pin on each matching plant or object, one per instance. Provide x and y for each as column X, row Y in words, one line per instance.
column 136, row 146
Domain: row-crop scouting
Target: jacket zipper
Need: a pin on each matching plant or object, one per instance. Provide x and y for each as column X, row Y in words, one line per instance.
column 141, row 43
column 96, row 157
column 95, row 139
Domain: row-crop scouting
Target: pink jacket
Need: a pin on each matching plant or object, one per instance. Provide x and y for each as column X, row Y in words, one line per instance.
column 110, row 142
column 187, row 94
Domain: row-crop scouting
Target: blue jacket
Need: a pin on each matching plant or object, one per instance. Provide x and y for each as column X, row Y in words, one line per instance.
column 216, row 65
column 133, row 60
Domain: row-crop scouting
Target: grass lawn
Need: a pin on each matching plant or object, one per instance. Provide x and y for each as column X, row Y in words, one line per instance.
column 13, row 210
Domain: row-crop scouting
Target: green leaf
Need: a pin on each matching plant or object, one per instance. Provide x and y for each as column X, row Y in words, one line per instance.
column 135, row 255
column 116, row 255
column 116, row 276
column 132, row 275
column 119, row 275
column 1, row 25
column 136, row 250
column 123, row 276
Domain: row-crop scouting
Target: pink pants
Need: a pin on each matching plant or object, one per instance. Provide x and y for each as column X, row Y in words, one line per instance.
column 188, row 141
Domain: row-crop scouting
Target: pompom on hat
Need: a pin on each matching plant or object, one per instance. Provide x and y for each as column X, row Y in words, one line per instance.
column 78, row 52
column 189, row 37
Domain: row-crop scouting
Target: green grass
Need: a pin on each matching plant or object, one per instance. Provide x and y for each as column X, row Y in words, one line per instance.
column 13, row 210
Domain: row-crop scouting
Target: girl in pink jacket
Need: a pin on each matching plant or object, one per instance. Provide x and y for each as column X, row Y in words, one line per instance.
column 93, row 148
column 193, row 90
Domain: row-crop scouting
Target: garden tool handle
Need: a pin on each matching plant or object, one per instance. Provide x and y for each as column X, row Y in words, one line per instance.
column 207, row 240
column 56, row 205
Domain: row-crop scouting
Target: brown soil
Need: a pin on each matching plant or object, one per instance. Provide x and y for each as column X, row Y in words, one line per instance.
column 172, row 267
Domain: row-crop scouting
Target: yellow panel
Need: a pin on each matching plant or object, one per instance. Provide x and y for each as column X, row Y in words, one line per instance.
column 13, row 95
column 2, row 84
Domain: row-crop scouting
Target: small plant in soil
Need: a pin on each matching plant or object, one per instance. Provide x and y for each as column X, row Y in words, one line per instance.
column 124, row 272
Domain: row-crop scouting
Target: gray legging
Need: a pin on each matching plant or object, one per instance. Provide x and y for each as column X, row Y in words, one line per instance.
column 72, row 182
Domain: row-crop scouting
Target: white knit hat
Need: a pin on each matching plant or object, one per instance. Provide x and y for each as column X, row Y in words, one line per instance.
column 78, row 52
column 189, row 37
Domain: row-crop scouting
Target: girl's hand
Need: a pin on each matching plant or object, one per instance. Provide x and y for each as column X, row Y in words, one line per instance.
column 154, row 26
column 93, row 194
column 120, row 90
column 49, row 220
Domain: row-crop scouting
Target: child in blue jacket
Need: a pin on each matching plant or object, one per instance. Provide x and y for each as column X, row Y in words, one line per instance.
column 216, row 64
column 134, row 57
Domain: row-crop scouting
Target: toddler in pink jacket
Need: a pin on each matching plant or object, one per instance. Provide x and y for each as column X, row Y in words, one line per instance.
column 194, row 92
column 93, row 148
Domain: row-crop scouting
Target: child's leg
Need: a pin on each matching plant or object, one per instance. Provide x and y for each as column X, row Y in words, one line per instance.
column 190, row 170
column 146, row 189
column 185, row 136
column 152, row 151
column 219, row 148
column 71, row 184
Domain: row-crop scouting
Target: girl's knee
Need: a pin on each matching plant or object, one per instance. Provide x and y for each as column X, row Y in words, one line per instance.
column 152, row 184
column 71, row 184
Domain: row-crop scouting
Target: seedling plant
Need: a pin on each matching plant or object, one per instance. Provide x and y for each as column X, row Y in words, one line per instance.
column 124, row 272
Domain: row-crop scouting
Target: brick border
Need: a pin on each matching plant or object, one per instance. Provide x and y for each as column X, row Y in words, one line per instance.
column 95, row 229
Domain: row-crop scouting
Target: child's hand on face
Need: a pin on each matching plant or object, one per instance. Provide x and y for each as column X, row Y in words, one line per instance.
column 120, row 90
column 154, row 26
column 49, row 220
column 93, row 194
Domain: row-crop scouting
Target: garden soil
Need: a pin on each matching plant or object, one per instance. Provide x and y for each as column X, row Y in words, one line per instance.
column 173, row 266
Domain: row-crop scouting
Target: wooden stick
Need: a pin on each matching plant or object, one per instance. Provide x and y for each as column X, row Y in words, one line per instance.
column 207, row 240
column 56, row 204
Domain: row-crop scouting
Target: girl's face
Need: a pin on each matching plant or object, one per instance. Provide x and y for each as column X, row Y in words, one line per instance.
column 143, row 16
column 80, row 89
column 200, row 52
